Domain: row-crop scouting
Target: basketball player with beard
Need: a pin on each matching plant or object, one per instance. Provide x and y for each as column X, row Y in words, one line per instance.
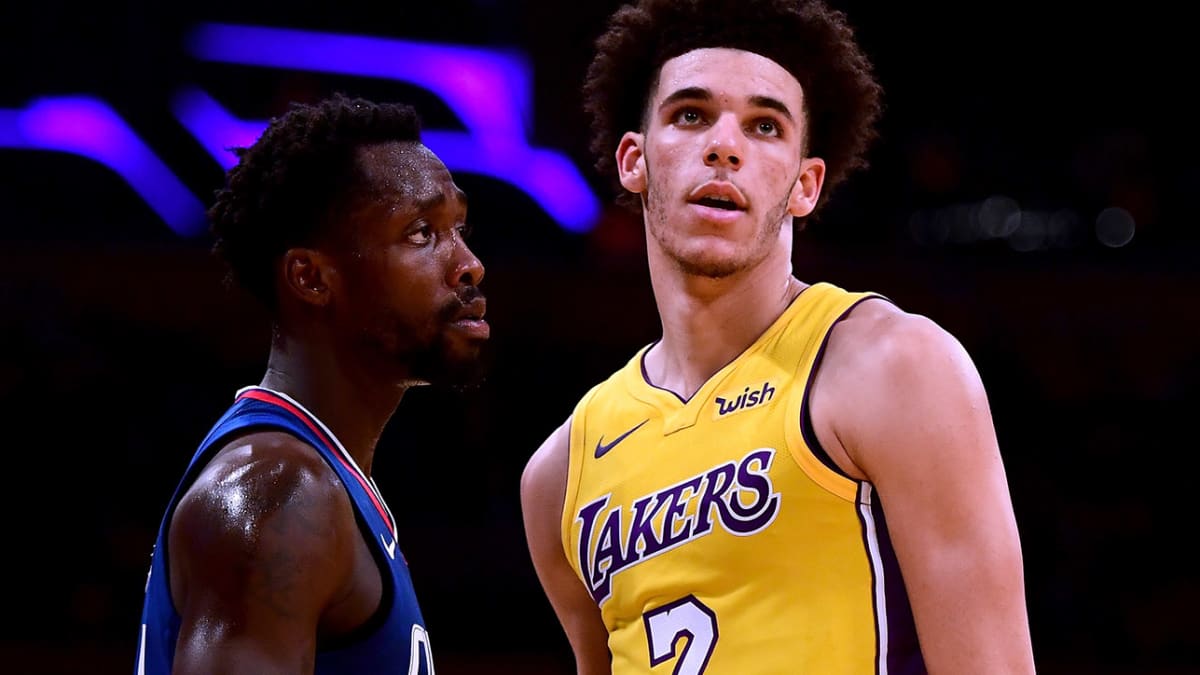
column 277, row 553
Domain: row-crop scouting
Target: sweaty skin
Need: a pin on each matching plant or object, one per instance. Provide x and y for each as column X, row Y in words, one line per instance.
column 267, row 561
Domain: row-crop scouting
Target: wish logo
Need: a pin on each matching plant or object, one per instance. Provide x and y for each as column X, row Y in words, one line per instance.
column 748, row 398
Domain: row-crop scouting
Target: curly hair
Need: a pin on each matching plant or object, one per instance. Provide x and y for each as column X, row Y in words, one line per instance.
column 812, row 41
column 290, row 184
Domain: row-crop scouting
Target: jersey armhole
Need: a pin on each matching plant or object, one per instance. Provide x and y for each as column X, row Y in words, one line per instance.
column 803, row 444
column 387, row 600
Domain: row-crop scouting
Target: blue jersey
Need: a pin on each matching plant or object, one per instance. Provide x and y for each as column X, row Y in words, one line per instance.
column 395, row 640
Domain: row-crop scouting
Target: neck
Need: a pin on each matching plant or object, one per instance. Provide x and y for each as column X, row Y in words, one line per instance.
column 345, row 394
column 708, row 322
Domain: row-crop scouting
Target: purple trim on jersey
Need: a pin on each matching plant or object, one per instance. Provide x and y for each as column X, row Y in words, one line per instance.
column 646, row 375
column 903, row 650
column 807, row 431
column 810, row 435
column 865, row 529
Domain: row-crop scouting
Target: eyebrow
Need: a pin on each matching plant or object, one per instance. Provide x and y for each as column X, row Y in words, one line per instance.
column 686, row 94
column 438, row 199
column 772, row 103
column 702, row 94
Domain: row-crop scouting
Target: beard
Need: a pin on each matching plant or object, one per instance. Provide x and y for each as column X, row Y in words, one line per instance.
column 443, row 364
column 707, row 263
column 431, row 354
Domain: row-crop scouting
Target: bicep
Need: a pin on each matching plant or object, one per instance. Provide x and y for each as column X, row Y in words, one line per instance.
column 543, row 488
column 925, row 439
column 254, row 562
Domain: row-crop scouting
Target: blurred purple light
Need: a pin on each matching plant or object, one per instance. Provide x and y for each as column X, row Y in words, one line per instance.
column 547, row 177
column 214, row 127
column 89, row 128
column 489, row 91
column 550, row 179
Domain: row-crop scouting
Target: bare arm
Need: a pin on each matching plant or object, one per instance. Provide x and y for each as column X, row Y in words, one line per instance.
column 257, row 552
column 902, row 405
column 543, row 492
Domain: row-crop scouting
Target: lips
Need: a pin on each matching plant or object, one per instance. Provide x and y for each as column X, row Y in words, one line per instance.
column 719, row 195
column 468, row 317
column 472, row 310
column 467, row 304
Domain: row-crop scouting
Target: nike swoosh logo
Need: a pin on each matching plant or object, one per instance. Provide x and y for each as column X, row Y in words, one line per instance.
column 389, row 546
column 602, row 449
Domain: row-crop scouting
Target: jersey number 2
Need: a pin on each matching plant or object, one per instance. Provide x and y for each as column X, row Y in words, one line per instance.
column 685, row 617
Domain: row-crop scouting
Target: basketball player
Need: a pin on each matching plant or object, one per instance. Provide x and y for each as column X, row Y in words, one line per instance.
column 277, row 553
column 794, row 478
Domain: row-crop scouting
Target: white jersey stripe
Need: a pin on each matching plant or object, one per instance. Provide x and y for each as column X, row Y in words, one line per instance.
column 881, row 617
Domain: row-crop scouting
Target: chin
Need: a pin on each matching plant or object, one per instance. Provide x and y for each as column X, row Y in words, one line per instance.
column 710, row 265
column 706, row 256
column 455, row 363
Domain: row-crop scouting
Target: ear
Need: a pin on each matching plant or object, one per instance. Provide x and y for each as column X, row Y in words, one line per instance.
column 631, row 162
column 807, row 189
column 308, row 275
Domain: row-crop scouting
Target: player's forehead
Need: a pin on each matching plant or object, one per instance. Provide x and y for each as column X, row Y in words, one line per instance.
column 405, row 173
column 722, row 72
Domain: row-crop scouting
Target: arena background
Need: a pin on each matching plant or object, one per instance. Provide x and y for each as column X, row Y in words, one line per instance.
column 1034, row 192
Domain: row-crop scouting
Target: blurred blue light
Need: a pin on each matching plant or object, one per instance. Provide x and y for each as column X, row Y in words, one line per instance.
column 490, row 92
column 547, row 177
column 89, row 128
column 217, row 131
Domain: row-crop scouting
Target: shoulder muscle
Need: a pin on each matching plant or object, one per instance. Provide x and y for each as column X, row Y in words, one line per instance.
column 267, row 521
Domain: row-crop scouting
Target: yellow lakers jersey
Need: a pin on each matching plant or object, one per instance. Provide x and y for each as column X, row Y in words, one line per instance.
column 714, row 533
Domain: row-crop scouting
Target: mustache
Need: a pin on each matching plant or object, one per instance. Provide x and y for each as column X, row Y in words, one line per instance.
column 463, row 296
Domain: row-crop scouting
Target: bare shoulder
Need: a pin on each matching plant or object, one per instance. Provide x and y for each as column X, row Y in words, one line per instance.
column 886, row 375
column 891, row 351
column 256, row 478
column 543, row 496
column 879, row 337
column 544, row 479
column 264, row 497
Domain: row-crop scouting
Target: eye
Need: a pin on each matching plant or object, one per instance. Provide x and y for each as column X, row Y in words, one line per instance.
column 419, row 234
column 687, row 117
column 766, row 127
column 464, row 231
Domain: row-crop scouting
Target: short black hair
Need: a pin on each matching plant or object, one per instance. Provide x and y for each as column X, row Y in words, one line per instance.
column 814, row 42
column 290, row 183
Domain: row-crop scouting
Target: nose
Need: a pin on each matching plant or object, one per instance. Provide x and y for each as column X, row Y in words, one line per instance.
column 724, row 147
column 465, row 269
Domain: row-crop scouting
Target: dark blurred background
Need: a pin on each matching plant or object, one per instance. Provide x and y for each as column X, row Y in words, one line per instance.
column 1033, row 192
